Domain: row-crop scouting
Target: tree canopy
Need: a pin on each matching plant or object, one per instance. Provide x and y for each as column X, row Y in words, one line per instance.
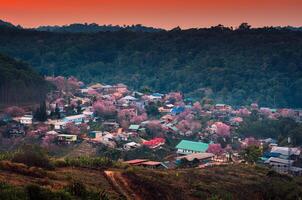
column 231, row 66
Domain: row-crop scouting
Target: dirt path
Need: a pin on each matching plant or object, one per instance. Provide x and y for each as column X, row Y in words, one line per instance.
column 121, row 184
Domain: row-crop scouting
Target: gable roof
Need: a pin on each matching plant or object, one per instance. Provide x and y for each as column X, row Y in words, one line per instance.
column 193, row 146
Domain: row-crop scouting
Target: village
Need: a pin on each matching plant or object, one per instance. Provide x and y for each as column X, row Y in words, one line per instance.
column 148, row 129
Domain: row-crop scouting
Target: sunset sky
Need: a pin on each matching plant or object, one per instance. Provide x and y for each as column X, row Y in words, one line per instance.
column 158, row 13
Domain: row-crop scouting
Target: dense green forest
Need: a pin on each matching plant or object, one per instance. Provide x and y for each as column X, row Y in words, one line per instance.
column 19, row 84
column 238, row 67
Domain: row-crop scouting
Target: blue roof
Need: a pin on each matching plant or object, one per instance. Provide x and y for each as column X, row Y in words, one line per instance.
column 157, row 94
column 177, row 110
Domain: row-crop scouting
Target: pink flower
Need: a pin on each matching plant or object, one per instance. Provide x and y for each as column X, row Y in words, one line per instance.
column 14, row 111
column 197, row 107
column 104, row 108
column 222, row 129
column 215, row 149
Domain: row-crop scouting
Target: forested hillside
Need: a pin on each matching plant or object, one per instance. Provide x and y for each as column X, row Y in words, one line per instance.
column 231, row 66
column 19, row 84
column 93, row 28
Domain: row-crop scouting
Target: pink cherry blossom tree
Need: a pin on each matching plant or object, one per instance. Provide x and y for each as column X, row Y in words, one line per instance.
column 174, row 97
column 155, row 128
column 287, row 113
column 14, row 111
column 71, row 128
column 139, row 118
column 222, row 129
column 104, row 108
column 265, row 111
column 197, row 107
column 251, row 141
column 244, row 112
column 215, row 149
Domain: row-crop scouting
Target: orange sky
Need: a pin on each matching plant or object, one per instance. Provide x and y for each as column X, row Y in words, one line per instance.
column 157, row 13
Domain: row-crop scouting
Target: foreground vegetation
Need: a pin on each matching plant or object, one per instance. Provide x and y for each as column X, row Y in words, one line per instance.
column 87, row 178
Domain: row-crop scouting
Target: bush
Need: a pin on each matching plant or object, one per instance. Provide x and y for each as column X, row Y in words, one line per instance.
column 8, row 192
column 33, row 156
column 35, row 192
column 22, row 169
column 99, row 162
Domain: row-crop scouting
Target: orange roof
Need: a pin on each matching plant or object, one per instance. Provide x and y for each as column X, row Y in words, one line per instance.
column 136, row 161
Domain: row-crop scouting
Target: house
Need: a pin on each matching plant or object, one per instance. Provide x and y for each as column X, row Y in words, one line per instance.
column 96, row 86
column 108, row 137
column 26, row 119
column 189, row 147
column 280, row 165
column 197, row 156
column 66, row 138
column 129, row 99
column 155, row 97
column 153, row 165
column 131, row 145
column 286, row 152
column 95, row 134
column 59, row 125
column 221, row 106
column 110, row 126
column 15, row 129
column 133, row 127
column 156, row 142
column 146, row 163
column 177, row 110
column 52, row 133
column 77, row 119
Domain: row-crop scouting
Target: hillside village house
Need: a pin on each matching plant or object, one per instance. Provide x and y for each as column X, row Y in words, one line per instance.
column 282, row 159
column 77, row 119
column 131, row 145
column 66, row 138
column 26, row 119
column 199, row 157
column 189, row 147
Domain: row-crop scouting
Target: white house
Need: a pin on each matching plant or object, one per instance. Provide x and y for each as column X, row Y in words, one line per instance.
column 131, row 145
column 77, row 119
column 67, row 138
column 26, row 119
column 280, row 165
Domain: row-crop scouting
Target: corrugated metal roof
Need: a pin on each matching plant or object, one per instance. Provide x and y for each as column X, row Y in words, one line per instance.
column 193, row 146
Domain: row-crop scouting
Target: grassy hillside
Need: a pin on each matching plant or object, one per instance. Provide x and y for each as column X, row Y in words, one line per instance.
column 72, row 180
column 232, row 66
column 19, row 84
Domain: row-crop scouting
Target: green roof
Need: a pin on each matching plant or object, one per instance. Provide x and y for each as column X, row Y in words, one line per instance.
column 193, row 146
column 134, row 127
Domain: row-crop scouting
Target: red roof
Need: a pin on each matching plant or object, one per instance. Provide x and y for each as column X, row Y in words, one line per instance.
column 154, row 142
column 150, row 163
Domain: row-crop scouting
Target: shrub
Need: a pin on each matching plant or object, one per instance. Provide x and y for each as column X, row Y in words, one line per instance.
column 8, row 192
column 22, row 169
column 33, row 156
column 100, row 162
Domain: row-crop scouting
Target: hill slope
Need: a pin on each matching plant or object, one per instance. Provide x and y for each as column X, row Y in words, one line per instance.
column 223, row 182
column 230, row 66
column 19, row 84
